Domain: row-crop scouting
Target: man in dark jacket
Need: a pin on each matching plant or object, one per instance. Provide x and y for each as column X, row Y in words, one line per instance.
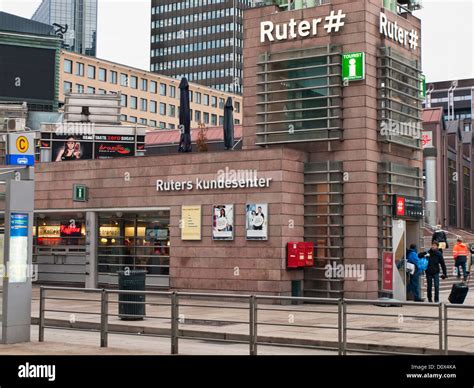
column 435, row 260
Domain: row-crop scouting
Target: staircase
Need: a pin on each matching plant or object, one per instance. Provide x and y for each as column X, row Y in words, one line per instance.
column 446, row 285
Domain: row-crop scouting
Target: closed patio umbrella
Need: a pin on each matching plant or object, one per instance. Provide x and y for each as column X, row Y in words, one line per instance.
column 184, row 117
column 228, row 124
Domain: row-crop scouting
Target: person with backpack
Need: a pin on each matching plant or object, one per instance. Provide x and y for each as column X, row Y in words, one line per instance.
column 440, row 237
column 435, row 260
column 461, row 254
column 414, row 284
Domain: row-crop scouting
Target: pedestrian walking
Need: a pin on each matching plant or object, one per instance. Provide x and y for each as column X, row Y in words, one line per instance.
column 440, row 237
column 435, row 261
column 461, row 254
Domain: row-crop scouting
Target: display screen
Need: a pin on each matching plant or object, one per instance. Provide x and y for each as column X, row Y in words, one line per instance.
column 27, row 72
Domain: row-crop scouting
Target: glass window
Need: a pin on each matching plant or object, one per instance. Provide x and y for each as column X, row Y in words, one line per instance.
column 162, row 89
column 221, row 103
column 153, row 86
column 123, row 117
column 133, row 119
column 123, row 100
column 79, row 88
column 90, row 90
column 198, row 98
column 102, row 91
column 133, row 102
column 206, row 99
column 197, row 116
column 102, row 74
column 214, row 120
column 113, row 77
column 67, row 87
column 162, row 125
column 172, row 110
column 172, row 91
column 91, row 72
column 144, row 83
column 143, row 104
column 143, row 121
column 123, row 79
column 162, row 109
column 214, row 101
column 68, row 66
column 152, row 123
column 133, row 82
column 153, row 106
column 206, row 118
column 80, row 69
column 237, row 107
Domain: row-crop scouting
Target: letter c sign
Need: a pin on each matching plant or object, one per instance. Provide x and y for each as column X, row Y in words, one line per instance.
column 22, row 144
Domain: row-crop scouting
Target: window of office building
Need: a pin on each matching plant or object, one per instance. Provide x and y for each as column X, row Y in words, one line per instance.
column 133, row 82
column 91, row 72
column 90, row 90
column 162, row 89
column 68, row 66
column 162, row 125
column 123, row 117
column 139, row 241
column 102, row 74
column 144, row 84
column 221, row 103
column 143, row 104
column 221, row 120
column 162, row 109
column 214, row 101
column 79, row 88
column 152, row 123
column 80, row 69
column 198, row 98
column 214, row 120
column 123, row 79
column 172, row 110
column 133, row 119
column 152, row 106
column 133, row 102
column 206, row 100
column 113, row 77
column 197, row 116
column 172, row 91
column 153, row 86
column 300, row 89
column 67, row 87
column 102, row 91
column 143, row 121
column 237, row 107
column 206, row 118
column 123, row 100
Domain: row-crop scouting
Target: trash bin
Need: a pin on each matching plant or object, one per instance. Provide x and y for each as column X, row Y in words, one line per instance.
column 132, row 280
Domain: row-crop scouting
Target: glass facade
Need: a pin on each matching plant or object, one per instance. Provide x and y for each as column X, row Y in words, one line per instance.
column 80, row 17
column 299, row 96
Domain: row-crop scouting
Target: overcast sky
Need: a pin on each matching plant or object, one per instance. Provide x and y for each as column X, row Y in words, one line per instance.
column 124, row 34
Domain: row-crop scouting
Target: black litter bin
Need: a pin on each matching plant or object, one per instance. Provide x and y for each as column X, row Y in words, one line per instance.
column 131, row 306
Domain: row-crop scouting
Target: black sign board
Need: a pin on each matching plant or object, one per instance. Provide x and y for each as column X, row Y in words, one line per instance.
column 407, row 207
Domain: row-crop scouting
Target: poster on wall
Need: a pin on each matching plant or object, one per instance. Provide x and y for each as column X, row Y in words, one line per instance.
column 256, row 223
column 223, row 222
column 191, row 222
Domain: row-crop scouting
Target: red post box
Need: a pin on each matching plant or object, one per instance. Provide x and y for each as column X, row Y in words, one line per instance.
column 309, row 254
column 292, row 255
column 301, row 254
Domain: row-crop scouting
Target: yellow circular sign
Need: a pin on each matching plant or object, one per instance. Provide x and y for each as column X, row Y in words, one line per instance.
column 22, row 144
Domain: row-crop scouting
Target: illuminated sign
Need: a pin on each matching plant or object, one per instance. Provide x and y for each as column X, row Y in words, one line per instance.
column 408, row 207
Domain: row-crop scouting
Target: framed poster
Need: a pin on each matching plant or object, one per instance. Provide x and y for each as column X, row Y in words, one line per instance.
column 256, row 221
column 190, row 222
column 223, row 222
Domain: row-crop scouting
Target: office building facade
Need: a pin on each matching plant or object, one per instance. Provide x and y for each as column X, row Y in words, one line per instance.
column 146, row 98
column 199, row 39
column 75, row 21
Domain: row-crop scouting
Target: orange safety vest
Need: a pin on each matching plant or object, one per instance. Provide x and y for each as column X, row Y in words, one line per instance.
column 460, row 249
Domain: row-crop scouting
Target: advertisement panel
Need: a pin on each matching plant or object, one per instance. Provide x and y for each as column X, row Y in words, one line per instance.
column 18, row 250
column 256, row 221
column 223, row 222
column 387, row 271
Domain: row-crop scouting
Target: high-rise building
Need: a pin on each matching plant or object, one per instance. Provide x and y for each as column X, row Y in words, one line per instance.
column 199, row 39
column 74, row 20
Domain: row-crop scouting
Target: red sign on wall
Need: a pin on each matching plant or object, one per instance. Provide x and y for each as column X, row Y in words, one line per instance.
column 400, row 210
column 387, row 271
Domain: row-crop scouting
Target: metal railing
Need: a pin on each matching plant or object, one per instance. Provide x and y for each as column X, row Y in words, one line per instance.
column 339, row 317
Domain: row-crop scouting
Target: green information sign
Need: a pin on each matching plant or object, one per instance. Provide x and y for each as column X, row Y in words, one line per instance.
column 422, row 86
column 353, row 66
column 79, row 193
